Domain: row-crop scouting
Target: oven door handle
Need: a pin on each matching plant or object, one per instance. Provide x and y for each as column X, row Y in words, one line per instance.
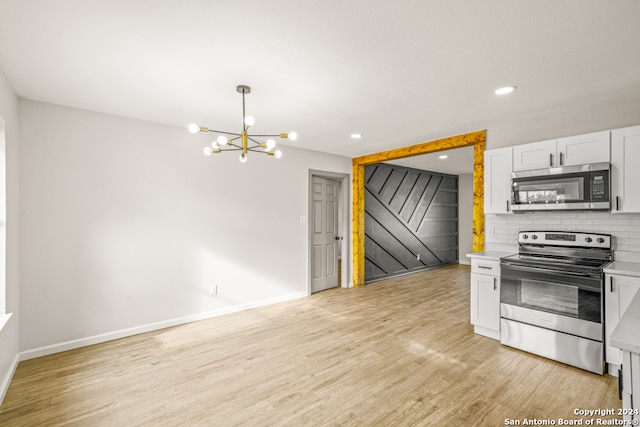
column 547, row 271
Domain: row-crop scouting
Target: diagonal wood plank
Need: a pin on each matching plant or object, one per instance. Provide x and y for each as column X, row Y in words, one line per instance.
column 398, row 201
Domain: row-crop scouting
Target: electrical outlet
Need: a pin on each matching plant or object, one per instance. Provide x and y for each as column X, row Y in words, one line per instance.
column 213, row 290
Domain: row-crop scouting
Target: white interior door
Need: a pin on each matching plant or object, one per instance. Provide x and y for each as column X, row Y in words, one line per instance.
column 324, row 234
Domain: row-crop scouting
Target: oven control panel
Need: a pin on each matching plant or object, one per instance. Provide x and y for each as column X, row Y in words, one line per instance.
column 563, row 238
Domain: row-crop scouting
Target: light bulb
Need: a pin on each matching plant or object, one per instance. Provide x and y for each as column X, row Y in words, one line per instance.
column 504, row 90
column 270, row 144
column 194, row 128
column 222, row 140
column 215, row 145
column 293, row 136
column 208, row 151
column 249, row 120
column 278, row 154
column 243, row 158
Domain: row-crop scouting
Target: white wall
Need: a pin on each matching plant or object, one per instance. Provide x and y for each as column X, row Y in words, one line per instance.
column 465, row 217
column 126, row 223
column 9, row 333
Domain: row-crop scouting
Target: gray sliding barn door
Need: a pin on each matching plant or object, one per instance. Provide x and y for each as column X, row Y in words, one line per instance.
column 411, row 220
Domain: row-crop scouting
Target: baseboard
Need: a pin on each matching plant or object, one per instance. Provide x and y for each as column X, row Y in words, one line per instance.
column 97, row 339
column 4, row 386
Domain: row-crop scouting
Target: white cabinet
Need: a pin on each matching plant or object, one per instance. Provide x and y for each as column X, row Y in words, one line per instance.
column 535, row 155
column 619, row 291
column 497, row 180
column 569, row 151
column 485, row 297
column 625, row 172
column 584, row 149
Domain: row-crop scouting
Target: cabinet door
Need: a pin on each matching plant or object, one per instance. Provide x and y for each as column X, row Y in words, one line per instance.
column 584, row 149
column 625, row 173
column 536, row 155
column 497, row 180
column 485, row 301
column 619, row 291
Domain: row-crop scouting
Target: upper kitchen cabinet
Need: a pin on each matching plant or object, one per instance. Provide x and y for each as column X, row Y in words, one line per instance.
column 584, row 149
column 625, row 173
column 497, row 180
column 535, row 155
column 569, row 151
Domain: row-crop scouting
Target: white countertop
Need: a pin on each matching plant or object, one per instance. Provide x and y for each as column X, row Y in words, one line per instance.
column 493, row 255
column 626, row 335
column 624, row 268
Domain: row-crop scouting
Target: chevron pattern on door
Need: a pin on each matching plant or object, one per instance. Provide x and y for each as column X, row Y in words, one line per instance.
column 411, row 220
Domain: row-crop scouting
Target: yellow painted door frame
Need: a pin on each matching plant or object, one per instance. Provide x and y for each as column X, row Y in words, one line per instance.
column 476, row 139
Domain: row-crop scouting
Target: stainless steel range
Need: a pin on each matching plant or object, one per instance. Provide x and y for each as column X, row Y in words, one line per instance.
column 551, row 300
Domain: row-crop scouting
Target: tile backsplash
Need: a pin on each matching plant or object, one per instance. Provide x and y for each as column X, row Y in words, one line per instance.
column 501, row 231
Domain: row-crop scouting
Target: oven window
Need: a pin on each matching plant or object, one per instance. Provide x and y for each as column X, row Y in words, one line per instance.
column 552, row 297
column 553, row 293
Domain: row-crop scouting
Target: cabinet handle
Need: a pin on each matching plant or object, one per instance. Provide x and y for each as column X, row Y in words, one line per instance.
column 611, row 283
column 507, row 206
column 617, row 203
column 561, row 158
column 550, row 159
column 484, row 267
column 495, row 283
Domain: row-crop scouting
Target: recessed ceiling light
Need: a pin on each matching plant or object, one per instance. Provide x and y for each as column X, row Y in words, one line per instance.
column 356, row 135
column 505, row 90
column 443, row 156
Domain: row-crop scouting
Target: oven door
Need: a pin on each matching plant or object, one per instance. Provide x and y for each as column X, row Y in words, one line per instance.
column 564, row 301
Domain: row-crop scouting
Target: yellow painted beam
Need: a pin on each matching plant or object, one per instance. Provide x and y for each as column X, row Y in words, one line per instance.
column 476, row 139
column 477, row 244
column 449, row 143
column 358, row 224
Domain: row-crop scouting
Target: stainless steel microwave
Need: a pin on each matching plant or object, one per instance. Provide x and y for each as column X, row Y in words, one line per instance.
column 576, row 188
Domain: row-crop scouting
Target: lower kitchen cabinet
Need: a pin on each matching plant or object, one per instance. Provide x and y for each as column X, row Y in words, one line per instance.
column 485, row 307
column 619, row 291
column 485, row 297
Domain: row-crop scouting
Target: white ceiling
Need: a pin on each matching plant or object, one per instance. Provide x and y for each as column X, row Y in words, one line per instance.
column 458, row 162
column 400, row 72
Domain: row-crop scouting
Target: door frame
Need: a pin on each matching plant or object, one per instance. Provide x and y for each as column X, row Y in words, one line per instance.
column 476, row 139
column 344, row 221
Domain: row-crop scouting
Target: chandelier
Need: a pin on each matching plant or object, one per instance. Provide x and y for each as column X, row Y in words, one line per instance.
column 243, row 142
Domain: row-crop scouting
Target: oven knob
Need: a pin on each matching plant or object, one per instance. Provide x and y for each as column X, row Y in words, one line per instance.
column 600, row 240
column 525, row 236
column 588, row 240
column 534, row 237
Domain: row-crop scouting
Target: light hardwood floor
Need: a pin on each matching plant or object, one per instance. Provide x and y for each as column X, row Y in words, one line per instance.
column 397, row 352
